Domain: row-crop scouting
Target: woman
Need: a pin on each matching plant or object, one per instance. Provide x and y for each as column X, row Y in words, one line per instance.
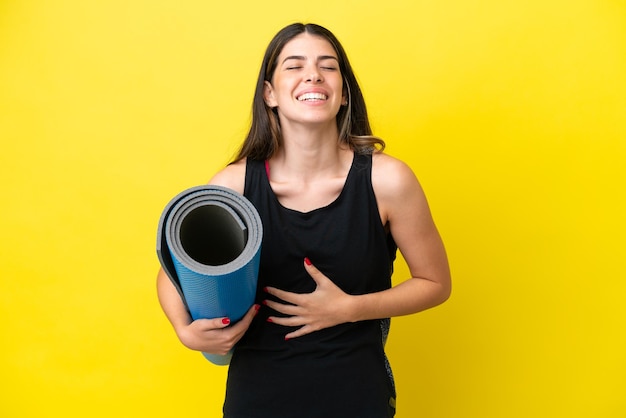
column 335, row 209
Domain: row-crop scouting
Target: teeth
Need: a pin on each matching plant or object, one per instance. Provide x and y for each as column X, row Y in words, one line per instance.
column 312, row 96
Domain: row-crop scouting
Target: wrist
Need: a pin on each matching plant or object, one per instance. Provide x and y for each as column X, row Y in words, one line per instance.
column 355, row 308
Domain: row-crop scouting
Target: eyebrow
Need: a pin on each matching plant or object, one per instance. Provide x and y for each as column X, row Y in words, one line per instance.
column 303, row 58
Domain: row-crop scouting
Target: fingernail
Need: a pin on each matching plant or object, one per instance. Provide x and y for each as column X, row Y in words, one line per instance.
column 225, row 321
column 265, row 289
column 257, row 307
column 269, row 320
column 286, row 338
column 264, row 302
column 307, row 261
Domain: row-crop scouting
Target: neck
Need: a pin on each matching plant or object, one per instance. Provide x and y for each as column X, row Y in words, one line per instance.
column 309, row 153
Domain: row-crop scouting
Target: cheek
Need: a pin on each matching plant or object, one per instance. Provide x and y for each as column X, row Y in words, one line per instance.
column 283, row 88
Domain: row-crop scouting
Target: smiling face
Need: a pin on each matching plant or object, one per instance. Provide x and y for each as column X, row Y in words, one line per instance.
column 307, row 85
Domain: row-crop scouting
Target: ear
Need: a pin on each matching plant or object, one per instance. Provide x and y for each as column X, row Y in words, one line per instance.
column 268, row 95
column 344, row 98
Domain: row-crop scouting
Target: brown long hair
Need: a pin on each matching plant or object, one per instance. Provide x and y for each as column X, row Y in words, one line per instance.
column 264, row 137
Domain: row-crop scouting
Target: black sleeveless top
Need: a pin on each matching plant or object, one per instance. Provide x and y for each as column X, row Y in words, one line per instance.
column 338, row 372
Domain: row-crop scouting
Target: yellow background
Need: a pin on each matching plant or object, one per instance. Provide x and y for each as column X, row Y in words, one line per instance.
column 511, row 113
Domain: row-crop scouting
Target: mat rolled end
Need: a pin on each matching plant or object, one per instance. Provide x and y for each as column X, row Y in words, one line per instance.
column 217, row 359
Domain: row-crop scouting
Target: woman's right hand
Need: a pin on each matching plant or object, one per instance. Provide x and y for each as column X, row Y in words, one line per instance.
column 217, row 335
column 212, row 336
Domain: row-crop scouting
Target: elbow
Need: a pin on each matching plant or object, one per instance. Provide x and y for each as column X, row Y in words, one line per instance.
column 445, row 291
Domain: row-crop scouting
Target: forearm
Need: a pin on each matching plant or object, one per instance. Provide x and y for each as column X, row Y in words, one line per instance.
column 171, row 302
column 411, row 296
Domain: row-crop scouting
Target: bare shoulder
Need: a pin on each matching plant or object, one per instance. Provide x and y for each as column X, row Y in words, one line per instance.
column 396, row 187
column 232, row 176
column 392, row 176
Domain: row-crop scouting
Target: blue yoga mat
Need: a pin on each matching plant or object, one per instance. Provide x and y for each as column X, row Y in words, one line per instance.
column 209, row 244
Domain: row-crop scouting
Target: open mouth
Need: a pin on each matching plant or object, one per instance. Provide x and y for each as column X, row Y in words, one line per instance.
column 310, row 97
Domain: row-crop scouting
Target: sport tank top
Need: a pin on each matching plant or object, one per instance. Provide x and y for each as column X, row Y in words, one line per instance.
column 340, row 371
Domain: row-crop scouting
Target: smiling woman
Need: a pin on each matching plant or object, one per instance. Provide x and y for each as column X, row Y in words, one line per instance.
column 335, row 210
column 307, row 85
column 264, row 136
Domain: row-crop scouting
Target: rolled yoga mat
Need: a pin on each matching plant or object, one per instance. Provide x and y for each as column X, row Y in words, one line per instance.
column 209, row 244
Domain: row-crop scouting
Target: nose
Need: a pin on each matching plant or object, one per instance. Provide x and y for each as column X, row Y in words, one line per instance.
column 314, row 75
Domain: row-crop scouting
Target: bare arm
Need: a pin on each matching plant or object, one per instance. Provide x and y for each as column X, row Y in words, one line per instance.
column 213, row 336
column 404, row 206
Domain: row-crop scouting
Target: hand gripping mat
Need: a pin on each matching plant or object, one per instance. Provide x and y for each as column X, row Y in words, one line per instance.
column 209, row 244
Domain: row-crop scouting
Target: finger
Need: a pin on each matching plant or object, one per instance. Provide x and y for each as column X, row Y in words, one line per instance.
column 299, row 332
column 293, row 298
column 252, row 312
column 282, row 308
column 213, row 323
column 247, row 318
column 317, row 275
column 289, row 321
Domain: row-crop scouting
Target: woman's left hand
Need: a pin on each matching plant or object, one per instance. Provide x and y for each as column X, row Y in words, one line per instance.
column 325, row 307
